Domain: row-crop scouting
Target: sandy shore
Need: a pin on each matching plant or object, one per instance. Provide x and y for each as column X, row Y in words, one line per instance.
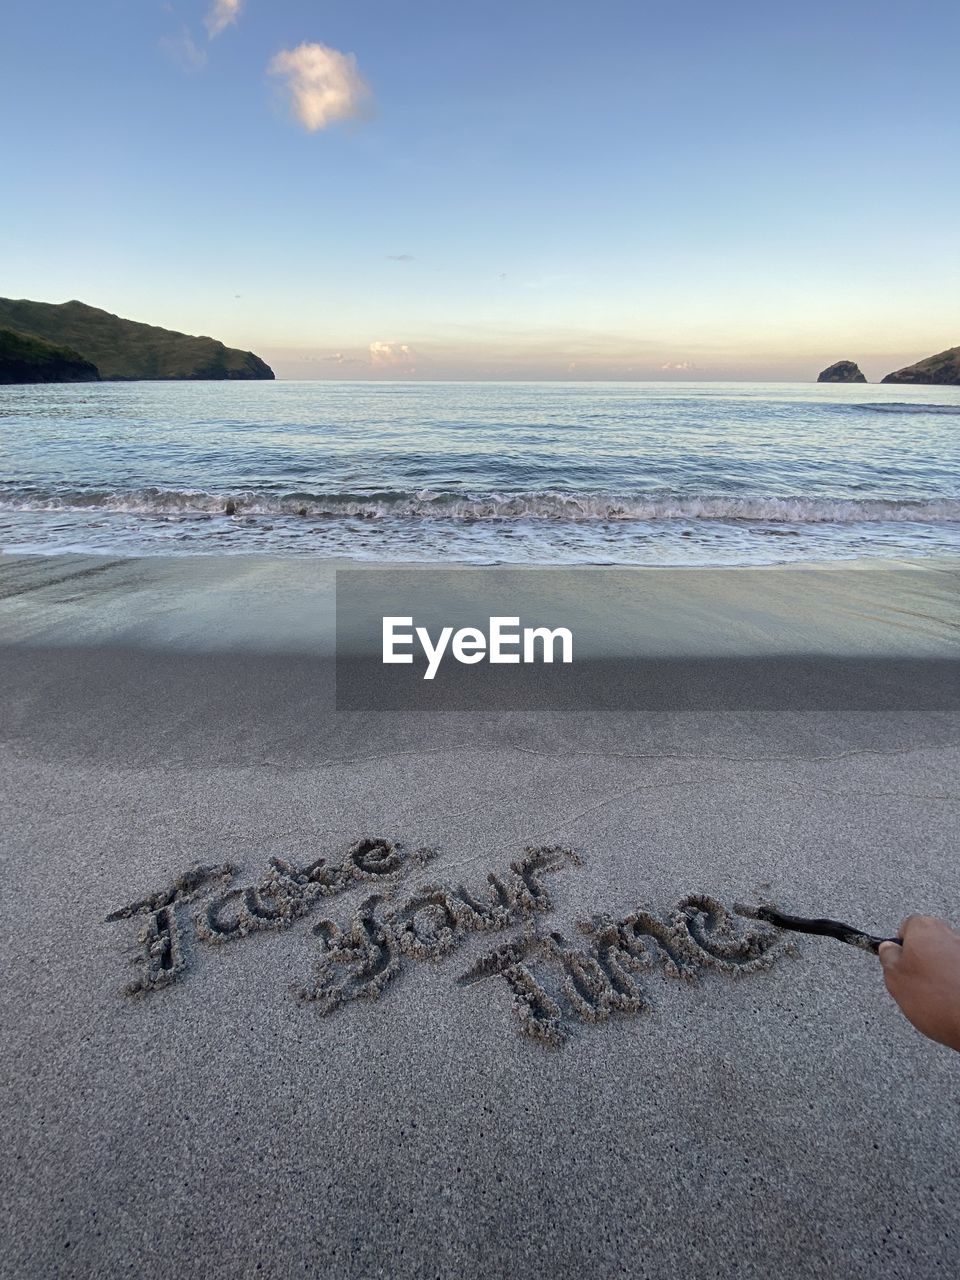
column 252, row 1111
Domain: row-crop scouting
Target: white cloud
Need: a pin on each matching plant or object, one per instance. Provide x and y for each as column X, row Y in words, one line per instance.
column 324, row 84
column 391, row 354
column 342, row 361
column 183, row 49
column 677, row 365
column 223, row 13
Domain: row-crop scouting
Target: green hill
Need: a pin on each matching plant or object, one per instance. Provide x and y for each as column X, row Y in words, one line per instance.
column 26, row 359
column 941, row 370
column 124, row 350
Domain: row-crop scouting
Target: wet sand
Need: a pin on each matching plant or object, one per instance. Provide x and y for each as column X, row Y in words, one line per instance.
column 255, row 1111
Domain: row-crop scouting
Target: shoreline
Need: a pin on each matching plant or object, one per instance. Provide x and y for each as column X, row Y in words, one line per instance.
column 225, row 653
column 275, row 604
column 865, row 562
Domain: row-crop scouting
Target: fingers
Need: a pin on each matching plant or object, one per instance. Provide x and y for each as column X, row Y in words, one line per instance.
column 910, row 923
column 923, row 930
column 891, row 954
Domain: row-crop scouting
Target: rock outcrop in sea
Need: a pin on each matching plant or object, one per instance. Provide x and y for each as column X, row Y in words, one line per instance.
column 842, row 371
column 942, row 370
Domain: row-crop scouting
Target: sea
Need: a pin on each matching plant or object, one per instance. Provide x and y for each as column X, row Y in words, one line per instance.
column 483, row 473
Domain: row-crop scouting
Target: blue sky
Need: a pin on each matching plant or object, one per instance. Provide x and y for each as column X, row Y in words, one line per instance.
column 525, row 189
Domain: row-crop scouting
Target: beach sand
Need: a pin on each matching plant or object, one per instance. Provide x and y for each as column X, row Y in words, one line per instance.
column 243, row 1116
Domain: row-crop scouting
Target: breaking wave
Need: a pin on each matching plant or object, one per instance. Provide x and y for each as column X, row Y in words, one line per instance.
column 429, row 505
column 952, row 410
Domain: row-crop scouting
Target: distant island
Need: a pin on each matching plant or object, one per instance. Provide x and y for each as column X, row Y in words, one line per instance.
column 73, row 342
column 842, row 371
column 941, row 370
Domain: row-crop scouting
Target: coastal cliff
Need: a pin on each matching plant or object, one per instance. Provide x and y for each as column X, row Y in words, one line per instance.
column 941, row 370
column 842, row 371
column 125, row 350
column 27, row 359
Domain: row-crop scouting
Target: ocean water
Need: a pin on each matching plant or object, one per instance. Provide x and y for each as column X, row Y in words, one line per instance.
column 483, row 473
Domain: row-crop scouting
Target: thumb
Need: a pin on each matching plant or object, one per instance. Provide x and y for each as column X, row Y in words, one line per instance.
column 890, row 953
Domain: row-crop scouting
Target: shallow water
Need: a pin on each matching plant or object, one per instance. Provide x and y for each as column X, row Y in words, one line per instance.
column 727, row 473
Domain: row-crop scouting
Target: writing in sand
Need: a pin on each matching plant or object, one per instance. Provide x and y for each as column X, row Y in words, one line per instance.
column 555, row 983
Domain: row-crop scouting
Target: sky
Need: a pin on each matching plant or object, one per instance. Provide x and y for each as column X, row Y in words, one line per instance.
column 606, row 189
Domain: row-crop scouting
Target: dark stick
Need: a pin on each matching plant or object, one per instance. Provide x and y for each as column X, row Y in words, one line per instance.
column 826, row 928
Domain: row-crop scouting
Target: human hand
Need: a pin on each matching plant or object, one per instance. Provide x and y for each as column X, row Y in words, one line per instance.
column 923, row 976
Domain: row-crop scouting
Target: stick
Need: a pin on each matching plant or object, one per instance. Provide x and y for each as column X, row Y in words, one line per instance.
column 826, row 928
